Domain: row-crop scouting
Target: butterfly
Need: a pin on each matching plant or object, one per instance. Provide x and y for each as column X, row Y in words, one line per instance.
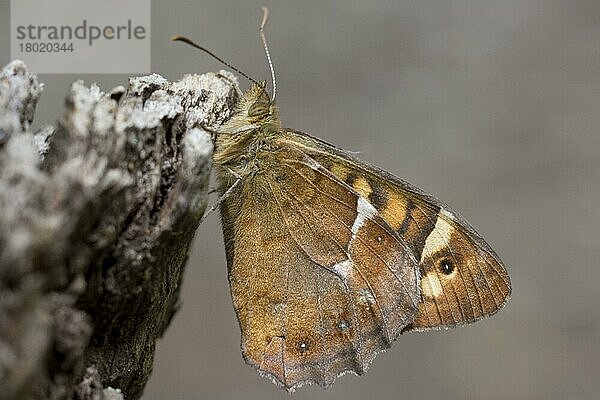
column 329, row 258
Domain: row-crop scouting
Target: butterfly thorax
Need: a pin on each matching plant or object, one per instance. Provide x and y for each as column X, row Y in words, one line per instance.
column 244, row 143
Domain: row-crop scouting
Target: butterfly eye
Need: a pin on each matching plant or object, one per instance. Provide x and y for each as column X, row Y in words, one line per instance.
column 258, row 109
column 446, row 266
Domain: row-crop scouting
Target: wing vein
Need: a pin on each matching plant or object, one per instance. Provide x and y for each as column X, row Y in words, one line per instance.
column 399, row 240
column 437, row 272
column 358, row 344
column 383, row 318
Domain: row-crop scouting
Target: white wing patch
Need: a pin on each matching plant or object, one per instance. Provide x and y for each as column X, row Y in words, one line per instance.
column 438, row 238
column 343, row 269
column 366, row 296
column 365, row 211
column 431, row 285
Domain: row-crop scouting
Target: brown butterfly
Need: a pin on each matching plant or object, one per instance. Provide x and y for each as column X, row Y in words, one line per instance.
column 330, row 258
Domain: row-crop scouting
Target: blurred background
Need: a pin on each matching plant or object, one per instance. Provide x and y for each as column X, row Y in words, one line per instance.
column 493, row 106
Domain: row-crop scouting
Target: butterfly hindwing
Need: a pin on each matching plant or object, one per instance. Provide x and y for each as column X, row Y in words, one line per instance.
column 462, row 279
column 320, row 282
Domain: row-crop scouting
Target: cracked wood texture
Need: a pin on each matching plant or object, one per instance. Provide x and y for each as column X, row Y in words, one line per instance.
column 97, row 215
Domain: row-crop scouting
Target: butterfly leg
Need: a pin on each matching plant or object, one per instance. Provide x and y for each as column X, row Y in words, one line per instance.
column 213, row 133
column 223, row 196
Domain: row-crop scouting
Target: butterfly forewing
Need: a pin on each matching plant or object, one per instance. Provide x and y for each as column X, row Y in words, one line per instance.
column 320, row 282
column 462, row 279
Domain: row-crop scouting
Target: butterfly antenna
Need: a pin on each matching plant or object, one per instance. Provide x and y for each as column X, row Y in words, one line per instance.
column 264, row 42
column 213, row 55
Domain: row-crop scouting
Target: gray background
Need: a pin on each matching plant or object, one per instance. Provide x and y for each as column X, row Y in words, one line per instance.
column 491, row 105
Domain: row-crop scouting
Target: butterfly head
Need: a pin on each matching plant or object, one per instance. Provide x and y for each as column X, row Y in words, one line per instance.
column 257, row 108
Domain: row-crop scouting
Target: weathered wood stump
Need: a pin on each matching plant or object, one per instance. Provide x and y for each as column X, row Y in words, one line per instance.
column 97, row 214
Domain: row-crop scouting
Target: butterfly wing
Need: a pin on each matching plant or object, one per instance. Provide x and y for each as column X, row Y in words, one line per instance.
column 462, row 278
column 320, row 282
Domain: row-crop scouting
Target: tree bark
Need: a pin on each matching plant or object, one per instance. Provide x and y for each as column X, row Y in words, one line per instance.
column 97, row 214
